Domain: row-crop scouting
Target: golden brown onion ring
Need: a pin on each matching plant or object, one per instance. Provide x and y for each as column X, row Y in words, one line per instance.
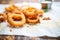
column 30, row 12
column 40, row 12
column 2, row 17
column 20, row 17
column 11, row 8
column 32, row 20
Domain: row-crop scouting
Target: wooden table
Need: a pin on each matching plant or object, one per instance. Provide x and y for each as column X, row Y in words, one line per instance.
column 18, row 37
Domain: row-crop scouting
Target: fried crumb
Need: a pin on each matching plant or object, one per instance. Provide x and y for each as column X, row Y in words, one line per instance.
column 10, row 30
column 27, row 26
column 46, row 18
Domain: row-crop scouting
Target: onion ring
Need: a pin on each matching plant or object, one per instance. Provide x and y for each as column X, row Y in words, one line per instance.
column 11, row 8
column 16, row 23
column 30, row 11
column 40, row 12
column 32, row 20
column 2, row 17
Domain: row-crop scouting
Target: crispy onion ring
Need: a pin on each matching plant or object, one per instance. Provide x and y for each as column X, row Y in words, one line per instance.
column 2, row 17
column 40, row 12
column 20, row 17
column 30, row 12
column 11, row 8
column 32, row 20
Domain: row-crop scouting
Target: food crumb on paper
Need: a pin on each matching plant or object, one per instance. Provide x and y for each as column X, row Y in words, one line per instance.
column 46, row 18
column 11, row 30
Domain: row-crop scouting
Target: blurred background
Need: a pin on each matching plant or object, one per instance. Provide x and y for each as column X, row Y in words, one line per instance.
column 18, row 1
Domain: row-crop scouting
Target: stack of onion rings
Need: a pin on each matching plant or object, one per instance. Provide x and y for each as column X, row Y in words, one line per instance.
column 31, row 15
column 17, row 17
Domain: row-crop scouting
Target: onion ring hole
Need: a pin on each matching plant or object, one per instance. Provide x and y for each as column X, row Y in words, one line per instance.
column 17, row 18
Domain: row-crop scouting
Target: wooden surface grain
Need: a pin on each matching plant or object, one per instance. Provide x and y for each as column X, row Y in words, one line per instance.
column 20, row 37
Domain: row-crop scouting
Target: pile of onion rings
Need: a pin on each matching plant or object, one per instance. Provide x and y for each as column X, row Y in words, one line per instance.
column 17, row 17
